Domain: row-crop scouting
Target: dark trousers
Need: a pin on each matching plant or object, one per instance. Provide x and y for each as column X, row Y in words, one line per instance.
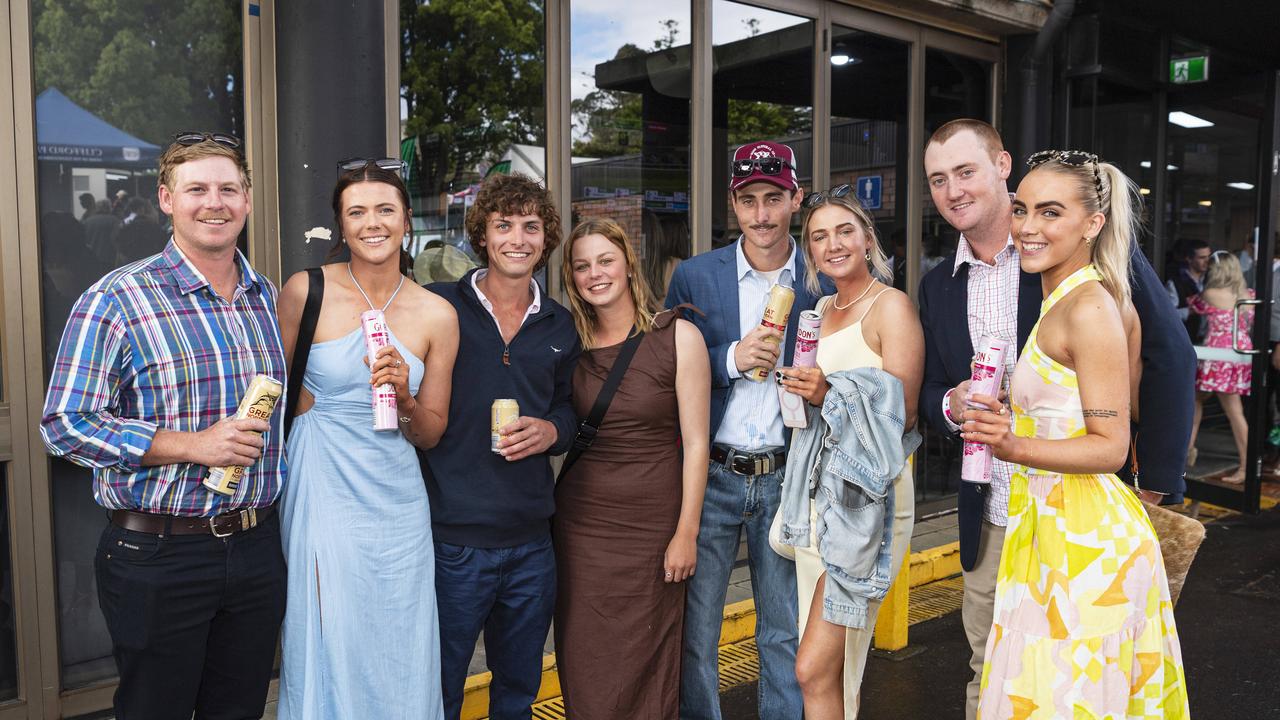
column 509, row 593
column 194, row 620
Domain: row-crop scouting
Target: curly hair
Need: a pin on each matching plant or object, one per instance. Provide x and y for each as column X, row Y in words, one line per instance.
column 514, row 194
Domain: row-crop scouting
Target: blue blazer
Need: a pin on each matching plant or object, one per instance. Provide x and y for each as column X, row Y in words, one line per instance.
column 710, row 282
column 1165, row 394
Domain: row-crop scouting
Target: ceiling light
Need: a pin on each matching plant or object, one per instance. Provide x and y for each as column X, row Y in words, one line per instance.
column 841, row 56
column 1170, row 167
column 1240, row 185
column 1144, row 191
column 1145, row 163
column 1206, row 203
column 1187, row 120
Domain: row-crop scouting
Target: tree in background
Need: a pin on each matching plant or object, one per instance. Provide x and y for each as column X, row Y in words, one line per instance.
column 149, row 67
column 471, row 78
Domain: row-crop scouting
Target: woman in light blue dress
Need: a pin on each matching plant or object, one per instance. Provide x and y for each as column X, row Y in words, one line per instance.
column 361, row 637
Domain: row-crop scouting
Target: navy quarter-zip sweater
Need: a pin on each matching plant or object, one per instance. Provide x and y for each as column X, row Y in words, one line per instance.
column 478, row 499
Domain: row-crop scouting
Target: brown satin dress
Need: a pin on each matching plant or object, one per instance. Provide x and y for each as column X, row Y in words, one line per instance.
column 618, row 626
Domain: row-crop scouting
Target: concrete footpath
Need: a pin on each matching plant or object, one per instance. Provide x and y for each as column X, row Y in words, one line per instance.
column 1227, row 618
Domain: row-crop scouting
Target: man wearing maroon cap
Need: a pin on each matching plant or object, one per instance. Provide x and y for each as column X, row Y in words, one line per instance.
column 748, row 452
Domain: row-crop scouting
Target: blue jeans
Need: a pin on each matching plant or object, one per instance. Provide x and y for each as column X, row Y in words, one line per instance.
column 733, row 503
column 509, row 593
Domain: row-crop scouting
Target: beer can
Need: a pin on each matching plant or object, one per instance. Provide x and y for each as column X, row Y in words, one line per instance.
column 794, row 412
column 504, row 411
column 986, row 379
column 259, row 401
column 376, row 337
column 776, row 312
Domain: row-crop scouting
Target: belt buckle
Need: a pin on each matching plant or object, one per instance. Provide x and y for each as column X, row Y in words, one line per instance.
column 248, row 519
column 760, row 462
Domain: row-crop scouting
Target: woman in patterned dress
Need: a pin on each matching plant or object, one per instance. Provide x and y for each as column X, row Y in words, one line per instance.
column 1083, row 623
column 1223, row 285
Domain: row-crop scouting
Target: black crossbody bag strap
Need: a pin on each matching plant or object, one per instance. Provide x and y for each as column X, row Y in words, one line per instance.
column 588, row 428
column 302, row 347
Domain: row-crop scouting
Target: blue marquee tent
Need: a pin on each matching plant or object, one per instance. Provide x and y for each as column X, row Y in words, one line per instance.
column 66, row 132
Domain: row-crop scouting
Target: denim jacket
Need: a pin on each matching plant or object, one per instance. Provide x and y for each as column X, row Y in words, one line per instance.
column 846, row 461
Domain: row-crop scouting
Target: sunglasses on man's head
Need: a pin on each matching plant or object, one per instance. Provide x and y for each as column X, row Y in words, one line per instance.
column 768, row 166
column 815, row 199
column 352, row 164
column 187, row 138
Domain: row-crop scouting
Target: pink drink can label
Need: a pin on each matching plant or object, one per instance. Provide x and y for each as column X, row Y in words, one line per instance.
column 376, row 337
column 806, row 352
column 986, row 379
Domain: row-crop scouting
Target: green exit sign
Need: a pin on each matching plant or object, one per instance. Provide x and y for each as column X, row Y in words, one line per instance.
column 1189, row 69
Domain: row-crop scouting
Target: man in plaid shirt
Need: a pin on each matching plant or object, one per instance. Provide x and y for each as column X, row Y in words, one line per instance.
column 152, row 365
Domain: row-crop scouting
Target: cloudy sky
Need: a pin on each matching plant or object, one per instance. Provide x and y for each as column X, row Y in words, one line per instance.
column 600, row 27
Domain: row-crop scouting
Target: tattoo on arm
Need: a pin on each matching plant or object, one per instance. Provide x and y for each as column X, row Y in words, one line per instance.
column 1100, row 413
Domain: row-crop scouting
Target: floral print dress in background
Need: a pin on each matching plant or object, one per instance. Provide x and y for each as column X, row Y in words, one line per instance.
column 1224, row 376
column 1083, row 620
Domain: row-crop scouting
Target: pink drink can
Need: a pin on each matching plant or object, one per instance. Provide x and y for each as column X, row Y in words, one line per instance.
column 376, row 337
column 986, row 379
column 794, row 413
column 806, row 352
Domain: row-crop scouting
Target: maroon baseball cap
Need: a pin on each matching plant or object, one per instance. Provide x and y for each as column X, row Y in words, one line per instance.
column 764, row 161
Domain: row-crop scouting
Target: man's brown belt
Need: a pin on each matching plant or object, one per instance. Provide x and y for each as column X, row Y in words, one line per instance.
column 228, row 523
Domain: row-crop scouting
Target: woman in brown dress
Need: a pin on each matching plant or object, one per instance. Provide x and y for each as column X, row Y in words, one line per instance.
column 627, row 513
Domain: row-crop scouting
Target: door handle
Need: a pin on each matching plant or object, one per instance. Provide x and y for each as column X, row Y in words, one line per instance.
column 1235, row 326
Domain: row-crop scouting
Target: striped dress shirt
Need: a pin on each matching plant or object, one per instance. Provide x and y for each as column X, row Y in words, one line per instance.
column 993, row 311
column 152, row 346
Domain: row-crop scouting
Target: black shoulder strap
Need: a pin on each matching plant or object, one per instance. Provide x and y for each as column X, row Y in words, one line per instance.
column 588, row 428
column 302, row 347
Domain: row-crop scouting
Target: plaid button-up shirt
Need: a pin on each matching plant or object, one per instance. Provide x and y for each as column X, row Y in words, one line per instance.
column 152, row 346
column 993, row 312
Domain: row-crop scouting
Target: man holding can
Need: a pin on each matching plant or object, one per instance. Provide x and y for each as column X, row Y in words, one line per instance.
column 491, row 503
column 153, row 363
column 968, row 296
column 748, row 454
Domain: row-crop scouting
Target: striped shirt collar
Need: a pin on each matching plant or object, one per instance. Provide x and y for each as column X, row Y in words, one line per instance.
column 744, row 266
column 190, row 279
column 964, row 254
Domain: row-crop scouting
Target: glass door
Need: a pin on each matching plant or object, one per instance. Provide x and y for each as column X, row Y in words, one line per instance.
column 1219, row 275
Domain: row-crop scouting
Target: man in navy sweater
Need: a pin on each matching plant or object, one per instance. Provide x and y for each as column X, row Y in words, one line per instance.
column 490, row 511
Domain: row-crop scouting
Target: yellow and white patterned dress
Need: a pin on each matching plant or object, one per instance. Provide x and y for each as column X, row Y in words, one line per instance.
column 1083, row 621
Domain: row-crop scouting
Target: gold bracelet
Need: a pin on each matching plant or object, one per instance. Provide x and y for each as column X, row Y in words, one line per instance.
column 409, row 417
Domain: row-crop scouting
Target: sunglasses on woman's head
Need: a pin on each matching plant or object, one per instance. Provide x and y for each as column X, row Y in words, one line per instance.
column 187, row 138
column 350, row 164
column 768, row 166
column 814, row 199
column 1072, row 158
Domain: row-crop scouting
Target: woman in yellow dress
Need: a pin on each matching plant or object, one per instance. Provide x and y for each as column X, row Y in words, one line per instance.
column 1083, row 621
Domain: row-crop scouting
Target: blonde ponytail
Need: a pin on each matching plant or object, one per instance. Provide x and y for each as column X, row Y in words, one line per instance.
column 1121, row 203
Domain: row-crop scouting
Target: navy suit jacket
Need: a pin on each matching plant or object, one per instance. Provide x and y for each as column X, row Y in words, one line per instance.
column 710, row 282
column 1165, row 394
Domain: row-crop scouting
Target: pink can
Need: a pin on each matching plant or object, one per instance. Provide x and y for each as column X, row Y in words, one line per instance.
column 376, row 337
column 807, row 328
column 794, row 413
column 986, row 379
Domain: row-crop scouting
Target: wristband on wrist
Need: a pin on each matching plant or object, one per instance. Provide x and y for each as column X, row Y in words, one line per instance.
column 946, row 407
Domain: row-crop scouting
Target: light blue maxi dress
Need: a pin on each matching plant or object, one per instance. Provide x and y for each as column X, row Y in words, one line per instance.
column 361, row 637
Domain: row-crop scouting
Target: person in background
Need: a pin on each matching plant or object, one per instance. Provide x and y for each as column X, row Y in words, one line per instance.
column 100, row 231
column 1228, row 379
column 86, row 205
column 1188, row 280
column 1084, row 623
column 627, row 512
column 363, row 600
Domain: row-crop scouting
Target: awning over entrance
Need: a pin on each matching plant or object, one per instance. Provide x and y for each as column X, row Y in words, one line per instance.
column 66, row 132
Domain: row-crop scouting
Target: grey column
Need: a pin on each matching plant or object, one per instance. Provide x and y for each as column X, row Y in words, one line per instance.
column 330, row 87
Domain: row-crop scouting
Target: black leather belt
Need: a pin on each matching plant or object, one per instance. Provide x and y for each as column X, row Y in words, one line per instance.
column 223, row 525
column 745, row 463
